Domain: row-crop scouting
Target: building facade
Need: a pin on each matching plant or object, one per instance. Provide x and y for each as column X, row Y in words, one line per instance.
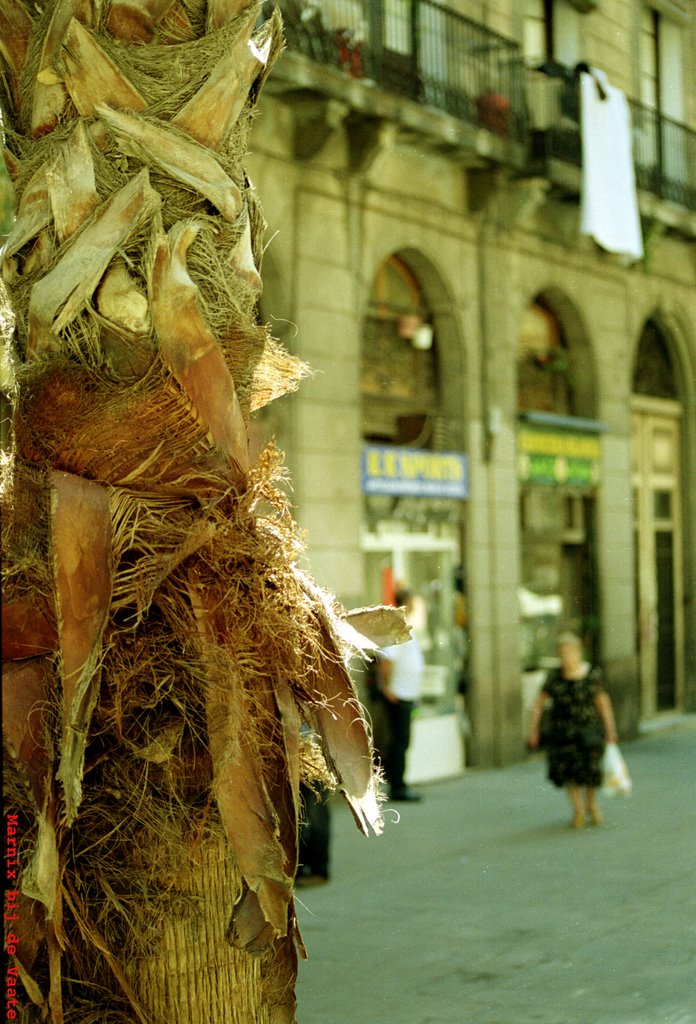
column 502, row 412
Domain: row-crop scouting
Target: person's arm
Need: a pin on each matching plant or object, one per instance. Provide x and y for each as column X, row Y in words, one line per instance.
column 603, row 705
column 535, row 718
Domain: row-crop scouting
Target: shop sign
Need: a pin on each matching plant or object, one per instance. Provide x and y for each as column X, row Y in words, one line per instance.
column 558, row 457
column 414, row 472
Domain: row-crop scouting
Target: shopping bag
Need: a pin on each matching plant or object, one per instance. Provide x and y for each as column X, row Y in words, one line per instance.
column 615, row 778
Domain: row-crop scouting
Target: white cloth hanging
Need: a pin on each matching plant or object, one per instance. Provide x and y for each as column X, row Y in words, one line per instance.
column 609, row 203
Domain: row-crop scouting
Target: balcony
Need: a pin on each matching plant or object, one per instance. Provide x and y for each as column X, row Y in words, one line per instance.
column 457, row 87
column 664, row 150
column 433, row 72
column 665, row 156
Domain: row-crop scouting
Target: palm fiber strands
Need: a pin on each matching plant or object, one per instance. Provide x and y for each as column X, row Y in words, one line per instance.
column 161, row 649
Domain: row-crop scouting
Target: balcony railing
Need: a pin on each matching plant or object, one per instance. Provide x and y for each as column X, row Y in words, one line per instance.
column 665, row 156
column 664, row 151
column 423, row 51
column 419, row 50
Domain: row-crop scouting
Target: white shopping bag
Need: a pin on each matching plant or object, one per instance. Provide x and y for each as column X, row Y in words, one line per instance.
column 615, row 778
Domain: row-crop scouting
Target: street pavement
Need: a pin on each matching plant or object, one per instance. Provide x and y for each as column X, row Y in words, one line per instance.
column 481, row 906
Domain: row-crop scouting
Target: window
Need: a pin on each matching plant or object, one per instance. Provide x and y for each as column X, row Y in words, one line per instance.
column 654, row 374
column 649, row 84
column 399, row 367
column 552, row 31
column 663, row 147
column 567, row 45
column 542, row 363
column 661, row 64
column 397, row 26
column 536, row 35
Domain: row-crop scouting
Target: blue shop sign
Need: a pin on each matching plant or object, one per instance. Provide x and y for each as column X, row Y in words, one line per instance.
column 414, row 472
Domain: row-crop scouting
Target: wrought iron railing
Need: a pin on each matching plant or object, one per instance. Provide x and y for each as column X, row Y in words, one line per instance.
column 423, row 51
column 420, row 50
column 664, row 151
column 665, row 156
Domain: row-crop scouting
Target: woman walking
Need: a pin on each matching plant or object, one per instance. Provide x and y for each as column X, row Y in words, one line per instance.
column 581, row 722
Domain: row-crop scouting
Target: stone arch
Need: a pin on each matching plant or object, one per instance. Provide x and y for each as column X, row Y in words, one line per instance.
column 681, row 354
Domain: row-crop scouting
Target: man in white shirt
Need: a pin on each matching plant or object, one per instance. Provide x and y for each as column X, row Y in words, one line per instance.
column 401, row 670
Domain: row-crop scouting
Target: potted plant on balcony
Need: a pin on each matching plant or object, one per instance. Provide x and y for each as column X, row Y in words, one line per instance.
column 493, row 112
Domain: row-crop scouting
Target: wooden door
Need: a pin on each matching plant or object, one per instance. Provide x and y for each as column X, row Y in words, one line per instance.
column 658, row 550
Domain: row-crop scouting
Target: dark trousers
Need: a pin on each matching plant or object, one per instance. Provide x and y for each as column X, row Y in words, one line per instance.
column 399, row 721
column 315, row 832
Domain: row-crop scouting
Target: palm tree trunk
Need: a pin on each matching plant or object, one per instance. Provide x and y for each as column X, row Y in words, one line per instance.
column 161, row 648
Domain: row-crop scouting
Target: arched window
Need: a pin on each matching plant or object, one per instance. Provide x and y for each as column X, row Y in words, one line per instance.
column 654, row 373
column 400, row 393
column 543, row 383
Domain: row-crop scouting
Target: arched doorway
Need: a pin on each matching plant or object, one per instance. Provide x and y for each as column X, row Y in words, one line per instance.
column 656, row 478
column 414, row 478
column 558, row 471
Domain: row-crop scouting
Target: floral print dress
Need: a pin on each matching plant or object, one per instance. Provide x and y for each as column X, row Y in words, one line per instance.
column 576, row 733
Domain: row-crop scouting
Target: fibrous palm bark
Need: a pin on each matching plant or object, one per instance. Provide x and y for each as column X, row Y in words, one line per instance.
column 162, row 650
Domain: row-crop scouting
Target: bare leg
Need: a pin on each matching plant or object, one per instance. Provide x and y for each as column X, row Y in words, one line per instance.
column 592, row 808
column 575, row 797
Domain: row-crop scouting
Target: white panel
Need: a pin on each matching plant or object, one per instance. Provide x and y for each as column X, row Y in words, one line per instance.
column 397, row 26
column 436, row 750
column 671, row 70
column 566, row 30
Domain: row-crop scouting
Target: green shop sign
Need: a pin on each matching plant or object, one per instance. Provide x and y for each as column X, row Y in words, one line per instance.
column 558, row 457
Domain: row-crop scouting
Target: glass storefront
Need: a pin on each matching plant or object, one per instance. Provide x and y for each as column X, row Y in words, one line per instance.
column 416, row 542
column 558, row 468
column 557, row 589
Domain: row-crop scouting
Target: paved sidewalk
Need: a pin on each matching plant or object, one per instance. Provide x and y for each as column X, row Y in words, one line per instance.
column 481, row 906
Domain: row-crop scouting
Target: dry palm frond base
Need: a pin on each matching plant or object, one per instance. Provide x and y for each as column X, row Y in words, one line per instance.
column 163, row 654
